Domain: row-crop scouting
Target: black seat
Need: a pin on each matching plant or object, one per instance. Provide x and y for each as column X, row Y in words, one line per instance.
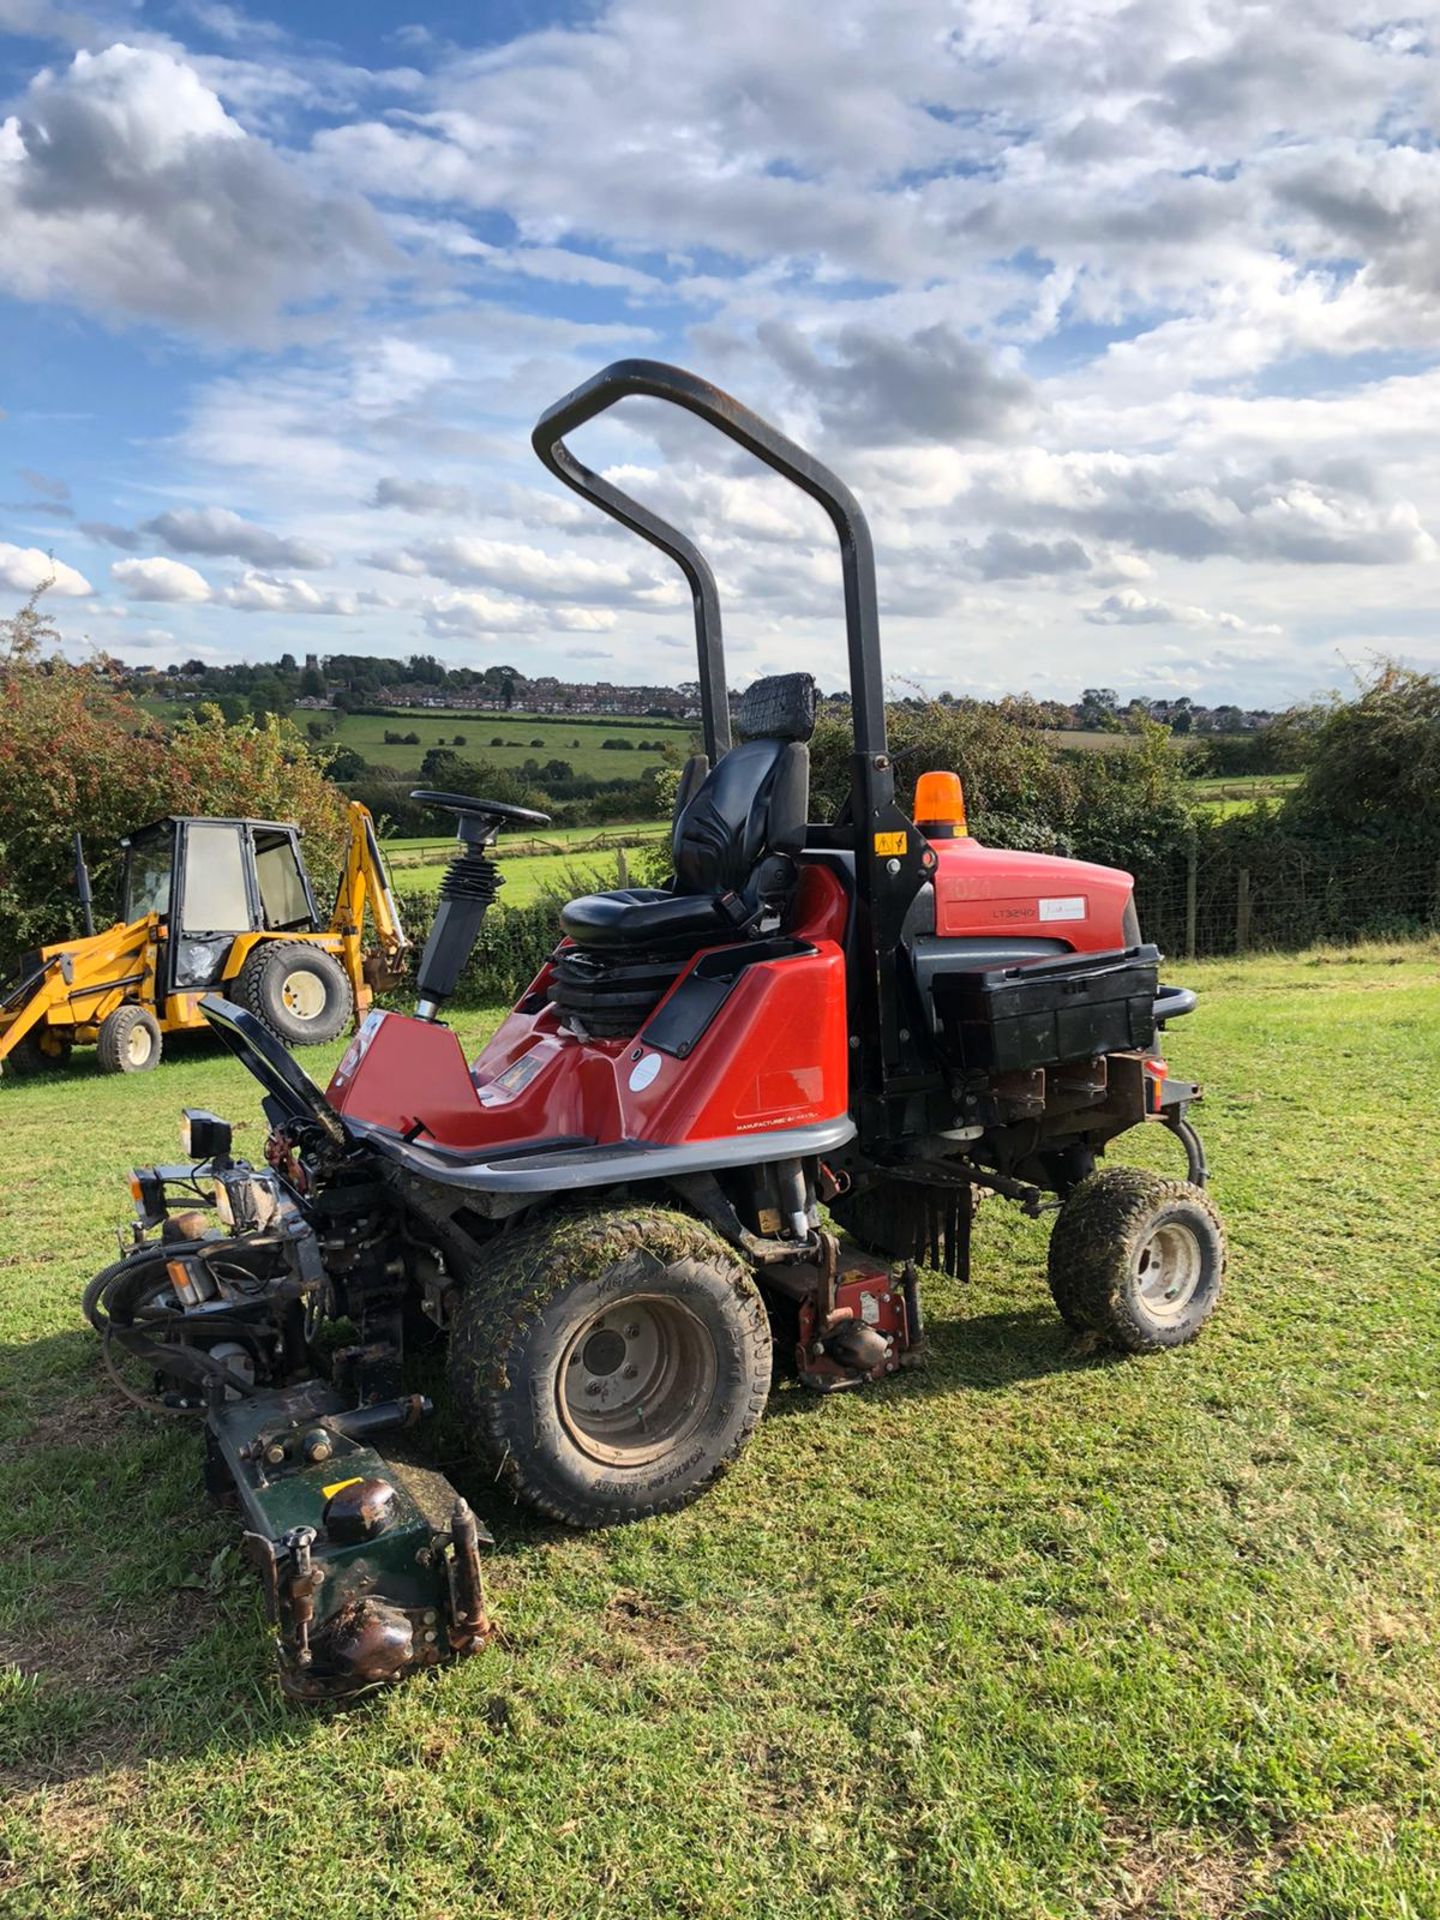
column 734, row 841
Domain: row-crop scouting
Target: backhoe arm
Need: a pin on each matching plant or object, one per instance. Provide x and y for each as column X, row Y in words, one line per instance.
column 365, row 883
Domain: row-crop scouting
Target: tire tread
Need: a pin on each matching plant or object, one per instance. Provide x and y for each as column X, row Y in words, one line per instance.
column 520, row 1276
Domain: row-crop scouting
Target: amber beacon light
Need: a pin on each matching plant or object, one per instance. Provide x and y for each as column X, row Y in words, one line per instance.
column 940, row 806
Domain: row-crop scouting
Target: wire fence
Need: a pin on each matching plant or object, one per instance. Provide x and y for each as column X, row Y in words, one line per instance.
column 1285, row 894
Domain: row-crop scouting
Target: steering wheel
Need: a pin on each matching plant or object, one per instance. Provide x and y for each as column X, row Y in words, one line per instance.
column 500, row 811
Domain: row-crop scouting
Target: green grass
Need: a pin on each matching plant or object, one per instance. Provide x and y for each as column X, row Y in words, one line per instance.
column 575, row 738
column 1225, row 795
column 1032, row 1632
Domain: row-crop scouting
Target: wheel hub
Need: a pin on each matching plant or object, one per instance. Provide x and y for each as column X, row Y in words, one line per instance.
column 303, row 994
column 138, row 1045
column 636, row 1380
column 1168, row 1267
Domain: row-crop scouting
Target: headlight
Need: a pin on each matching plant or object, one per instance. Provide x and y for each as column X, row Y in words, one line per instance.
column 204, row 1136
column 198, row 961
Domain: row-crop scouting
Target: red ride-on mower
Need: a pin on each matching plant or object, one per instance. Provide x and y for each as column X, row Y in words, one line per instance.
column 736, row 1111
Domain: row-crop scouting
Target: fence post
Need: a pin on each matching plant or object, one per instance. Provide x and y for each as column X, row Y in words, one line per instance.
column 622, row 868
column 1242, row 910
column 1192, row 861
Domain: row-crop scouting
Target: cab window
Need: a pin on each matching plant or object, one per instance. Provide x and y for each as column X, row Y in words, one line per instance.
column 147, row 878
column 283, row 901
column 215, row 900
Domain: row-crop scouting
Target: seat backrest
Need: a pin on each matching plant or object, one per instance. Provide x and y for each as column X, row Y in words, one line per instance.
column 741, row 830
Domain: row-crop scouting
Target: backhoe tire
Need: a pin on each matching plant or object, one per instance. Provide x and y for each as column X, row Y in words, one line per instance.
column 610, row 1363
column 129, row 1041
column 1137, row 1259
column 298, row 990
column 31, row 1057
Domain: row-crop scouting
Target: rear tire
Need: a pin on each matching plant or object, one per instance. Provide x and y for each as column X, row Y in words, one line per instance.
column 1137, row 1259
column 610, row 1363
column 129, row 1041
column 298, row 990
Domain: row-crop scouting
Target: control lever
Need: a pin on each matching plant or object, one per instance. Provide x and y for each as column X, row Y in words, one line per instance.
column 467, row 891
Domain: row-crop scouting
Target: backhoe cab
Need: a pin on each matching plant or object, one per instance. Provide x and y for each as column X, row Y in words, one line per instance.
column 208, row 904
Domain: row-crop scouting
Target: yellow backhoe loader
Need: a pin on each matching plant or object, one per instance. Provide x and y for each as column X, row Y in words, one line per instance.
column 208, row 905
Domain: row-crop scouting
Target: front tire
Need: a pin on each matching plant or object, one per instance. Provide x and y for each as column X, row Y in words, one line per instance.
column 610, row 1364
column 1137, row 1259
column 129, row 1041
column 298, row 989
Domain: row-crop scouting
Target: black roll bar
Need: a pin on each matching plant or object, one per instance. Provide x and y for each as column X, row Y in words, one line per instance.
column 892, row 860
column 657, row 381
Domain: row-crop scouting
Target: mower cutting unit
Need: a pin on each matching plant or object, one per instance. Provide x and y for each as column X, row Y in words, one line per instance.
column 728, row 1122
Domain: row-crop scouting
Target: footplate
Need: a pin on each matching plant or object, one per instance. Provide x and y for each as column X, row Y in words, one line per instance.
column 371, row 1568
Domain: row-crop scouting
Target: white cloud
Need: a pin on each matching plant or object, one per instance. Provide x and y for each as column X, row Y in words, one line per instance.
column 257, row 591
column 218, row 530
column 475, row 614
column 1131, row 608
column 23, row 569
column 126, row 186
column 513, row 568
column 159, row 579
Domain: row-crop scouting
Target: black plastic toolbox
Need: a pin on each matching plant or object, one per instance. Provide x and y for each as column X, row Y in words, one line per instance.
column 1072, row 1007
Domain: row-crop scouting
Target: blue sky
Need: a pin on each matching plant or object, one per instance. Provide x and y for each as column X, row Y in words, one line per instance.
column 1120, row 319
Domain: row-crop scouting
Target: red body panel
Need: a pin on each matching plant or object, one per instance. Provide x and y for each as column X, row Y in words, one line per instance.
column 994, row 890
column 775, row 1055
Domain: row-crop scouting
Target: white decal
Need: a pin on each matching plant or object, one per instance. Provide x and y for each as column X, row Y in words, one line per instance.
column 644, row 1072
column 1071, row 907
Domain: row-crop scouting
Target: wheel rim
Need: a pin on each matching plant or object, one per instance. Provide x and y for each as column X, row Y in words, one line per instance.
column 303, row 994
column 139, row 1045
column 636, row 1380
column 1168, row 1270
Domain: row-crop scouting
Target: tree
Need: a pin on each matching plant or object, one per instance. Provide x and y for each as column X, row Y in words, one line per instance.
column 345, row 766
column 1374, row 762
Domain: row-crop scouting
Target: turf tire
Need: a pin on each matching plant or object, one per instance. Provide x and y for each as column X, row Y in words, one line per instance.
column 528, row 1299
column 120, row 1045
column 1111, row 1241
column 261, row 983
column 30, row 1057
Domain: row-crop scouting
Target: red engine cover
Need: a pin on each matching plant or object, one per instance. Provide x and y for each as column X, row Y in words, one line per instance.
column 992, row 890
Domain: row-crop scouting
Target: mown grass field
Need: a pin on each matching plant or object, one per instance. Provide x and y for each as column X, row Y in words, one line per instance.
column 1031, row 1632
column 578, row 739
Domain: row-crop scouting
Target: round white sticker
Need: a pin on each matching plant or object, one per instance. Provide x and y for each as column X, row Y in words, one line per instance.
column 643, row 1072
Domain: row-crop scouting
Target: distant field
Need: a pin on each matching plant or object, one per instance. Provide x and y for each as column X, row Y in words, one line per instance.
column 1096, row 741
column 1224, row 795
column 569, row 860
column 578, row 740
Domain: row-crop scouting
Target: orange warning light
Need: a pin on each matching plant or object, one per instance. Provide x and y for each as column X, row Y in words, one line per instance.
column 940, row 806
